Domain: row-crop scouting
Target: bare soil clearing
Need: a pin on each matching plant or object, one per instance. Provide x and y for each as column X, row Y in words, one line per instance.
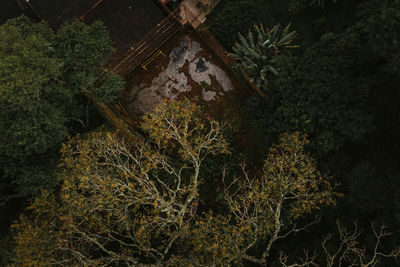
column 187, row 69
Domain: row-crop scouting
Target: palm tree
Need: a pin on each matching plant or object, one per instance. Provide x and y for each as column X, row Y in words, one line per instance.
column 256, row 53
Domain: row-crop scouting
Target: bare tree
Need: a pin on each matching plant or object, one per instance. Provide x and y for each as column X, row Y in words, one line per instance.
column 349, row 251
column 128, row 202
column 265, row 208
column 307, row 261
column 134, row 202
column 345, row 249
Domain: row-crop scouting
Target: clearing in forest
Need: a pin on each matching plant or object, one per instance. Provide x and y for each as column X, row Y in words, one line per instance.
column 185, row 68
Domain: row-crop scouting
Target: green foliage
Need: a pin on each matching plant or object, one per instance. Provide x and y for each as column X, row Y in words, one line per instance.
column 84, row 49
column 38, row 173
column 326, row 91
column 379, row 21
column 343, row 92
column 142, row 197
column 289, row 183
column 295, row 6
column 32, row 119
column 256, row 53
column 32, row 131
column 231, row 17
column 26, row 67
column 340, row 88
column 110, row 91
column 373, row 189
column 41, row 76
column 321, row 3
column 323, row 92
column 130, row 192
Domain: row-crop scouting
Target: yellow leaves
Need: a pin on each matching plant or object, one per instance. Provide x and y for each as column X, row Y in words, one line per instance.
column 181, row 122
column 214, row 246
column 198, row 247
column 15, row 225
column 222, row 251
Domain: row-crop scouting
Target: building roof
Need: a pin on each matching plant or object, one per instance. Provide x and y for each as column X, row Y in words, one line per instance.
column 56, row 12
column 8, row 9
column 128, row 21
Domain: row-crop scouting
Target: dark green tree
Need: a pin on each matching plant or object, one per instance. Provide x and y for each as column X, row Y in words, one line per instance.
column 231, row 17
column 323, row 92
column 42, row 75
column 295, row 6
column 379, row 21
column 256, row 53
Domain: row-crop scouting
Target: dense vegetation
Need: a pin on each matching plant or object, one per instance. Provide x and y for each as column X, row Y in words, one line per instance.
column 340, row 87
column 321, row 185
column 43, row 75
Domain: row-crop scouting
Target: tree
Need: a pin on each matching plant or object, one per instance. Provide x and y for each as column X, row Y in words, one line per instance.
column 256, row 52
column 28, row 74
column 379, row 21
column 231, row 17
column 42, row 75
column 345, row 249
column 110, row 90
column 265, row 209
column 84, row 50
column 136, row 200
column 351, row 252
column 295, row 6
column 124, row 202
column 323, row 92
column 372, row 189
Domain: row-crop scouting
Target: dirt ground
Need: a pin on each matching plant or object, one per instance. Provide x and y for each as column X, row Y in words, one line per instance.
column 217, row 90
column 208, row 84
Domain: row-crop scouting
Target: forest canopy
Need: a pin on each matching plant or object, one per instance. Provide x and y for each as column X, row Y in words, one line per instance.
column 42, row 75
column 303, row 169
